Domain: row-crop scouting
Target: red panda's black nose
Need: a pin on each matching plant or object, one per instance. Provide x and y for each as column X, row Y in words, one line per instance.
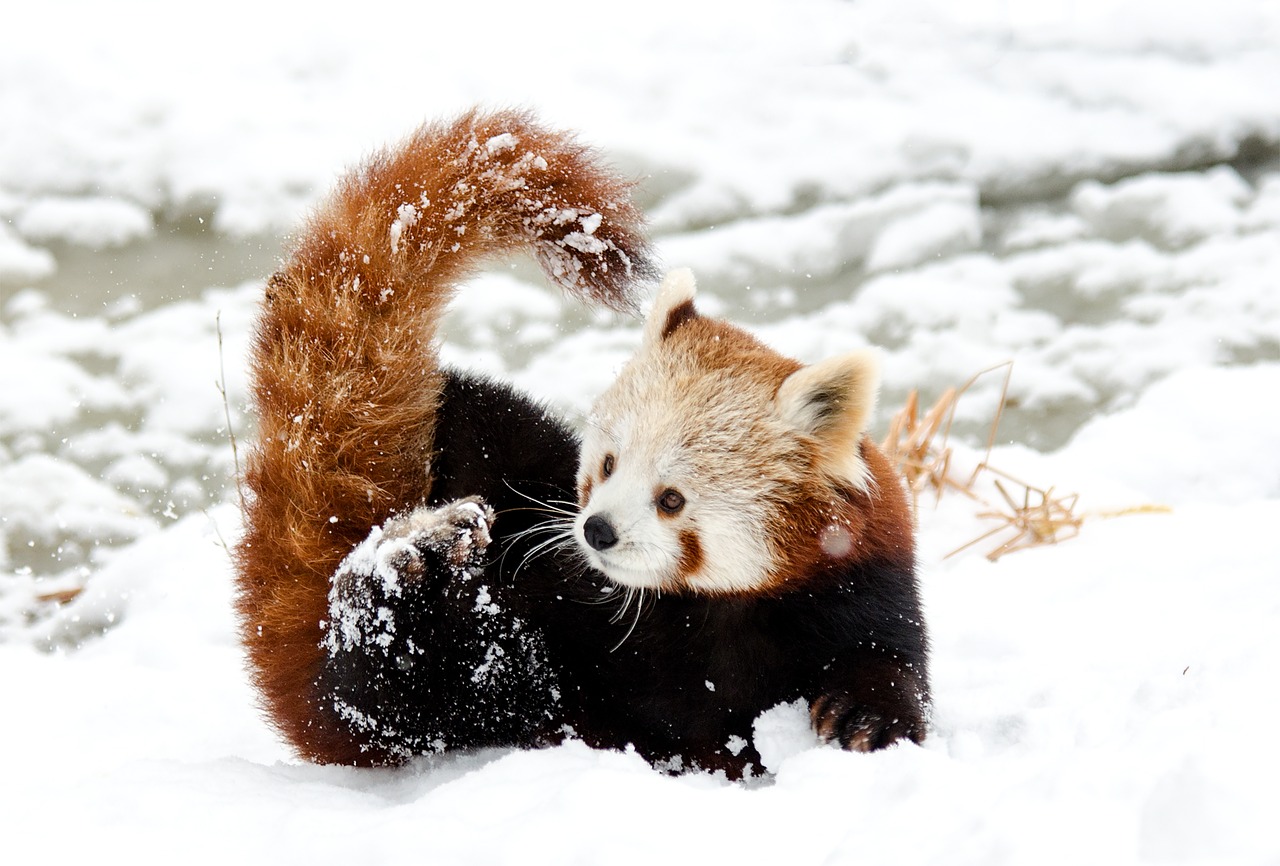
column 599, row 533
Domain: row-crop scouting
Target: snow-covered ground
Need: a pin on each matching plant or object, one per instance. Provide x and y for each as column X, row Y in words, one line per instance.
column 1090, row 190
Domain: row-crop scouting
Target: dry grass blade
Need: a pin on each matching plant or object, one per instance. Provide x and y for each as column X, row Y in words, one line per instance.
column 1032, row 516
column 226, row 409
column 918, row 446
column 63, row 596
column 910, row 442
column 1038, row 518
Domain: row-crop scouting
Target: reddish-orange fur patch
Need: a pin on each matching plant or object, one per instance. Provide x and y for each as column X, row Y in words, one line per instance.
column 824, row 528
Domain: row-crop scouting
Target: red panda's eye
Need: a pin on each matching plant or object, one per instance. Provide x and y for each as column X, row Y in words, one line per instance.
column 671, row 501
column 607, row 469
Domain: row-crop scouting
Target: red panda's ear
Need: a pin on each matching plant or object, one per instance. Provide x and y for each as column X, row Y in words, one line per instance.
column 833, row 401
column 673, row 306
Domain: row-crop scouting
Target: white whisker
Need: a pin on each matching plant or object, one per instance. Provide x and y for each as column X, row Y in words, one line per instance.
column 548, row 506
column 559, row 536
column 556, row 543
column 640, row 597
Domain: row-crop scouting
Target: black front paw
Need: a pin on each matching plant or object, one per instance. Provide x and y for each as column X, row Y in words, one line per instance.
column 380, row 584
column 862, row 726
column 453, row 537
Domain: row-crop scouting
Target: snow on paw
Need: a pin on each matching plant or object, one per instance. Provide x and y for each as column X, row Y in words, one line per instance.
column 421, row 548
column 456, row 534
column 862, row 728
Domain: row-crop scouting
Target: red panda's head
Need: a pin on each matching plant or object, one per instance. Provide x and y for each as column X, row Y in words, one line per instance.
column 716, row 465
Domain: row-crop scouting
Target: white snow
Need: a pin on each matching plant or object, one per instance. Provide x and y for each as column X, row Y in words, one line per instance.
column 20, row 260
column 89, row 221
column 501, row 143
column 406, row 217
column 1090, row 190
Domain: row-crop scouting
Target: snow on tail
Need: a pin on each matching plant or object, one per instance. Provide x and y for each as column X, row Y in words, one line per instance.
column 346, row 379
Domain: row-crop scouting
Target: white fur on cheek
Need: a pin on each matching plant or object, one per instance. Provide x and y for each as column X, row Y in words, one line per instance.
column 735, row 556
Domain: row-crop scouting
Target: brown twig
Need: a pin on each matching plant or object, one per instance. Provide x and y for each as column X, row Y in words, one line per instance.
column 62, row 596
column 1039, row 518
column 226, row 408
column 911, row 441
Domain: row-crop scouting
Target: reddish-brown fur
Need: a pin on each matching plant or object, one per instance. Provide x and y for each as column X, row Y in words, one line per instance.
column 346, row 378
column 878, row 522
column 690, row 552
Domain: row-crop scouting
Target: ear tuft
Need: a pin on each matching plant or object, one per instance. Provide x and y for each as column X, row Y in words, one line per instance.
column 673, row 306
column 832, row 401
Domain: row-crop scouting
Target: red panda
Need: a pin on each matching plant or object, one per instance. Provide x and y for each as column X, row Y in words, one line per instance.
column 433, row 561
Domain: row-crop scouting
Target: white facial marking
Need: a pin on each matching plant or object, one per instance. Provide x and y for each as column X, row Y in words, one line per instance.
column 665, row 438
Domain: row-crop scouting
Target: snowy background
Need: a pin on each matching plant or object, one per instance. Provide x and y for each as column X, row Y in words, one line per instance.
column 1090, row 190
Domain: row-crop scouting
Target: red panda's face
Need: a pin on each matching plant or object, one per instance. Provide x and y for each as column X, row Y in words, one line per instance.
column 656, row 513
column 691, row 458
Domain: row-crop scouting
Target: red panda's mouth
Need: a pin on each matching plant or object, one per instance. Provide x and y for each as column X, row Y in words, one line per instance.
column 622, row 574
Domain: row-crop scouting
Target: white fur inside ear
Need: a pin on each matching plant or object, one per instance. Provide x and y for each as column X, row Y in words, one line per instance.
column 678, row 287
column 833, row 401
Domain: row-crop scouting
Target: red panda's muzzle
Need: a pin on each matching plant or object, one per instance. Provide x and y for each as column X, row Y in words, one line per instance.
column 599, row 533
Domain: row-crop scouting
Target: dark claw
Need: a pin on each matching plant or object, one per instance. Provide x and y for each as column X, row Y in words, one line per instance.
column 861, row 728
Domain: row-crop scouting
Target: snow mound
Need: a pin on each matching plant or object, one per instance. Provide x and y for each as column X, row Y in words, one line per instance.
column 91, row 222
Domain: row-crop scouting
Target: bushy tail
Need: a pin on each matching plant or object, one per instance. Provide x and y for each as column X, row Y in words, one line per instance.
column 346, row 379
